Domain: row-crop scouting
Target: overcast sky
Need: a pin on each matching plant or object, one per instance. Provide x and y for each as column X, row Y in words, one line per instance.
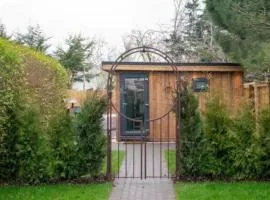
column 108, row 19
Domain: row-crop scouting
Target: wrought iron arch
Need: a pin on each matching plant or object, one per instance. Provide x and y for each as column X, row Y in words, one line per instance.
column 111, row 106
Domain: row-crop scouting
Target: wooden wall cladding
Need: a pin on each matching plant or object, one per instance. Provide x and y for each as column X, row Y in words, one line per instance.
column 161, row 91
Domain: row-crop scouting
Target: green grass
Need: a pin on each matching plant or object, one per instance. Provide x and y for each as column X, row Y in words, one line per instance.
column 63, row 191
column 56, row 192
column 171, row 156
column 220, row 191
column 114, row 162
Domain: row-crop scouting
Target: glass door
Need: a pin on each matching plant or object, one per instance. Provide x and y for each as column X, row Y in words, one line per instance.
column 134, row 103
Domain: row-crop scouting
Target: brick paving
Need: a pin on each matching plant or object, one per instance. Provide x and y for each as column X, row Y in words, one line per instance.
column 158, row 188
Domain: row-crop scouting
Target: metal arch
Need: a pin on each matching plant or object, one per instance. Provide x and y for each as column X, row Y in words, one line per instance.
column 128, row 53
column 111, row 106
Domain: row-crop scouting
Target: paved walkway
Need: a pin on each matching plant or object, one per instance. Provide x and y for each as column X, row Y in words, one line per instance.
column 158, row 188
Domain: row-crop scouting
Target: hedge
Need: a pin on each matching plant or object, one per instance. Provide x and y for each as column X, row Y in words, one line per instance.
column 38, row 139
column 228, row 146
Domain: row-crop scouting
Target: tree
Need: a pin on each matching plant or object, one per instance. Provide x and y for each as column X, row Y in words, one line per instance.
column 190, row 39
column 191, row 133
column 175, row 40
column 139, row 38
column 34, row 38
column 3, row 32
column 76, row 56
column 244, row 31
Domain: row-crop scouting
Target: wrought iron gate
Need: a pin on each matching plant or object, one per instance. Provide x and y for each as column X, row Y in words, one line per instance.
column 143, row 159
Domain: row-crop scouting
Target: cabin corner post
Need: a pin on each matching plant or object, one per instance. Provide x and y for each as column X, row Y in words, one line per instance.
column 109, row 129
column 178, row 134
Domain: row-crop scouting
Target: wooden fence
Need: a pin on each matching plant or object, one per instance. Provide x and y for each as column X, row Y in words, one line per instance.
column 80, row 96
column 258, row 93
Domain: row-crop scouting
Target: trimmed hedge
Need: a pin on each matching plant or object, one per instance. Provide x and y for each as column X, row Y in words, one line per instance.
column 39, row 140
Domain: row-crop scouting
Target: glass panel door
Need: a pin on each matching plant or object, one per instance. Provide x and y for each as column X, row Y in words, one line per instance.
column 134, row 103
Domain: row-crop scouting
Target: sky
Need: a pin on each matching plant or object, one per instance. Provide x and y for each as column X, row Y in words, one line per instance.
column 109, row 20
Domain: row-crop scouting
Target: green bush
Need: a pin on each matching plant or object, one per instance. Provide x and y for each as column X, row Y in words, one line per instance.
column 28, row 80
column 231, row 147
column 263, row 142
column 31, row 148
column 191, row 134
column 91, row 138
column 242, row 141
column 35, row 75
column 38, row 139
column 11, row 85
column 216, row 139
column 64, row 148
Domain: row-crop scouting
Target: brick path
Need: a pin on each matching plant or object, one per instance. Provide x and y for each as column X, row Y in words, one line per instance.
column 143, row 189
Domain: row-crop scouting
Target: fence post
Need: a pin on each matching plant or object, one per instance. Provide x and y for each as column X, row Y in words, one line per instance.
column 256, row 103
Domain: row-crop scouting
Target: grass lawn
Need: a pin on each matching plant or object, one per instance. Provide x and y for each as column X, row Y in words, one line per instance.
column 56, row 192
column 220, row 191
column 63, row 191
column 171, row 156
column 114, row 161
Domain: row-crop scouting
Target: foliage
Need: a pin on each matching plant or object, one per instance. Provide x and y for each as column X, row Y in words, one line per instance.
column 91, row 138
column 230, row 146
column 3, row 32
column 75, row 57
column 263, row 148
column 31, row 148
column 38, row 139
column 243, row 30
column 191, row 133
column 33, row 38
column 242, row 139
column 10, row 86
column 40, row 77
column 216, row 139
column 63, row 145
column 191, row 38
column 24, row 152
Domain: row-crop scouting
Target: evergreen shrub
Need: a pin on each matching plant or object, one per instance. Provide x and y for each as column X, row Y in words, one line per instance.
column 90, row 135
column 191, row 133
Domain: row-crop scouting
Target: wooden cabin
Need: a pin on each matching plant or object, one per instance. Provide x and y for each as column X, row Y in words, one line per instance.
column 144, row 91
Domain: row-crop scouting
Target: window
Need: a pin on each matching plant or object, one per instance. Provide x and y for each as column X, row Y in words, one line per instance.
column 200, row 84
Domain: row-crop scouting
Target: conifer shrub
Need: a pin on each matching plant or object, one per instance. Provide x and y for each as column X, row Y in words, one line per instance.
column 221, row 145
column 191, row 133
column 216, row 145
column 243, row 143
column 23, row 125
column 64, row 148
column 90, row 135
column 31, row 148
column 263, row 142
column 39, row 141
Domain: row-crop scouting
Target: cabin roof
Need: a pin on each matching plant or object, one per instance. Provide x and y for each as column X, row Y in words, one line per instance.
column 163, row 66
